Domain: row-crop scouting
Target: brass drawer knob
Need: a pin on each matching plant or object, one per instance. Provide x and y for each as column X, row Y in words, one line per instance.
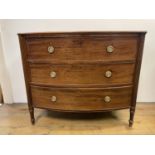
column 110, row 49
column 53, row 74
column 50, row 49
column 53, row 98
column 108, row 74
column 107, row 99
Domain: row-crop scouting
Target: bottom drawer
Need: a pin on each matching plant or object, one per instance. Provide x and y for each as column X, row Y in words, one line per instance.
column 81, row 99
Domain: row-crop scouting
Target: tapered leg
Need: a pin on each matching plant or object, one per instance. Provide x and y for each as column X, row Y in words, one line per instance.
column 31, row 110
column 132, row 112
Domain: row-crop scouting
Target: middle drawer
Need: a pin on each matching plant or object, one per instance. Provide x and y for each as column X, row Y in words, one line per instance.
column 71, row 74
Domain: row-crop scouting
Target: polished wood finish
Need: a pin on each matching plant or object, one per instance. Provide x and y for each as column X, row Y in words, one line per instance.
column 81, row 99
column 71, row 75
column 136, row 78
column 83, row 48
column 27, row 76
column 14, row 122
column 82, row 74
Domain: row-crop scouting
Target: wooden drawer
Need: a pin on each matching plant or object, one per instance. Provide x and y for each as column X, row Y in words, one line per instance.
column 83, row 48
column 81, row 99
column 95, row 74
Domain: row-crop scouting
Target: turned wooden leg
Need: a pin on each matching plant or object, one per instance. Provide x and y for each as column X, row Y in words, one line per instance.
column 132, row 112
column 31, row 110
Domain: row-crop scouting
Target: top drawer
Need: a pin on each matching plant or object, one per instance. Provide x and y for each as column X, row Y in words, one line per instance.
column 97, row 48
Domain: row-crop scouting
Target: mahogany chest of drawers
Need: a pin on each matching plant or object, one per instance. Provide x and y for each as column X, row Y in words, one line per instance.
column 82, row 71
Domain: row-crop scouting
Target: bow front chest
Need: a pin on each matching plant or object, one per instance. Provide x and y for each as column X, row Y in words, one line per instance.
column 82, row 71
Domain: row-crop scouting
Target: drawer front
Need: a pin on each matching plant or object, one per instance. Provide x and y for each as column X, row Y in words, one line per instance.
column 79, row 48
column 95, row 74
column 81, row 99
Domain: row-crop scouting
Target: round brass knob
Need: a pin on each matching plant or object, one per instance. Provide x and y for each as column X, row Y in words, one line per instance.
column 108, row 74
column 110, row 49
column 53, row 74
column 50, row 49
column 107, row 99
column 53, row 98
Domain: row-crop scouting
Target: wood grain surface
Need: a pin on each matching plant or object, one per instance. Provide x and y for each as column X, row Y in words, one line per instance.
column 83, row 48
column 80, row 60
column 82, row 74
column 14, row 121
column 81, row 99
